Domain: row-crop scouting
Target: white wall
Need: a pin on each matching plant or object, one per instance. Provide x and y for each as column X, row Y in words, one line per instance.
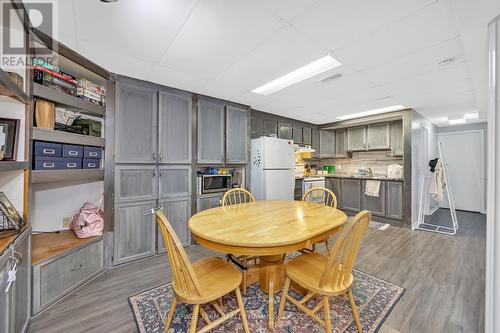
column 51, row 203
column 422, row 132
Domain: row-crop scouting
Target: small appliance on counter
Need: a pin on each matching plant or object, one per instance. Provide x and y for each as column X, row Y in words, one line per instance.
column 395, row 171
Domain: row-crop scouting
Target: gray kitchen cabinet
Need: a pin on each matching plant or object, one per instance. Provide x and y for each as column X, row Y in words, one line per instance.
column 208, row 201
column 333, row 184
column 256, row 127
column 397, row 138
column 376, row 205
column 327, row 144
column 350, row 192
column 22, row 285
column 210, row 132
column 297, row 193
column 59, row 275
column 270, row 127
column 6, row 298
column 134, row 234
column 378, row 136
column 135, row 182
column 178, row 212
column 356, row 138
column 315, row 142
column 15, row 304
column 174, row 181
column 306, row 136
column 297, row 134
column 135, row 124
column 340, row 142
column 394, row 199
column 174, row 129
column 236, row 135
column 285, row 131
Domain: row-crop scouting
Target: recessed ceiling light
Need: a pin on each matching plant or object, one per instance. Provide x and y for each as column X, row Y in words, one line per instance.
column 456, row 121
column 305, row 72
column 108, row 1
column 372, row 112
column 474, row 115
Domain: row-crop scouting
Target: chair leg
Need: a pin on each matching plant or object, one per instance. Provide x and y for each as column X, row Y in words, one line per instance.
column 170, row 315
column 270, row 306
column 243, row 314
column 245, row 275
column 283, row 299
column 194, row 319
column 326, row 313
column 327, row 248
column 354, row 311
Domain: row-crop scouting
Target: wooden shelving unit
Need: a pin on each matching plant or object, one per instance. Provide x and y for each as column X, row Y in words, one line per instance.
column 10, row 89
column 67, row 100
column 13, row 165
column 54, row 176
column 64, row 137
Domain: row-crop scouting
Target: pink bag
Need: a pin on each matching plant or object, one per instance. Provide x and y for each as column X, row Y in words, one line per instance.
column 89, row 221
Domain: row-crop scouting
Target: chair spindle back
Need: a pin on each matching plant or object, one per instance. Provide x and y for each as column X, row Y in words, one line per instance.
column 343, row 254
column 321, row 195
column 185, row 280
column 237, row 196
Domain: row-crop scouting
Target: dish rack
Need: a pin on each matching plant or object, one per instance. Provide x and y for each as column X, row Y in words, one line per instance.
column 7, row 226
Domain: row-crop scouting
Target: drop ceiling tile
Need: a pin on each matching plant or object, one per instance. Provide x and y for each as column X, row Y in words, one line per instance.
column 172, row 78
column 287, row 9
column 284, row 52
column 425, row 28
column 105, row 56
column 218, row 34
column 334, row 24
column 417, row 63
column 135, row 28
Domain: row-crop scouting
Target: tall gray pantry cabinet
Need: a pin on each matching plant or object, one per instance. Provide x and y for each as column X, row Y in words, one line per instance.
column 153, row 136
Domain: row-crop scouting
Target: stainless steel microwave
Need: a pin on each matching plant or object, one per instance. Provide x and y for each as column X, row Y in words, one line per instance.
column 214, row 183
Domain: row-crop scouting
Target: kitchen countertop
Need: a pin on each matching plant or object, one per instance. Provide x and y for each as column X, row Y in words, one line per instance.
column 356, row 177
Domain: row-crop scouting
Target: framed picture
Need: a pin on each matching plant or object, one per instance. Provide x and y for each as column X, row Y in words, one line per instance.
column 8, row 138
column 10, row 212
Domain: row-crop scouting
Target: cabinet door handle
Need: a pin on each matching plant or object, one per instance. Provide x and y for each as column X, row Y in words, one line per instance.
column 160, row 156
column 76, row 268
column 19, row 257
column 154, row 173
column 154, row 156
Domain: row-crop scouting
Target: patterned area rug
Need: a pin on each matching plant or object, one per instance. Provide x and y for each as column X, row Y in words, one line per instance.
column 374, row 297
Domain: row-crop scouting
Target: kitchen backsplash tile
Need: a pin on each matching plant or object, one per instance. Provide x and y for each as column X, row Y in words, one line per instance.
column 376, row 160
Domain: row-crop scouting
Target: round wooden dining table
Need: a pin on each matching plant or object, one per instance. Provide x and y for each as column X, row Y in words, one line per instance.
column 269, row 230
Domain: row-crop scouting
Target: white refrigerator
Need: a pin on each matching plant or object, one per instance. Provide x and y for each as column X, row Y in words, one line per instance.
column 271, row 170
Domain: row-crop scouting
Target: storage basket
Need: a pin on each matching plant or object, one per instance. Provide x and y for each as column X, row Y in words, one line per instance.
column 7, row 227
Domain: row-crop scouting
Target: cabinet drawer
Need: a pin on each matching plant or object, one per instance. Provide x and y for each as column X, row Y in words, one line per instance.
column 53, row 279
column 72, row 151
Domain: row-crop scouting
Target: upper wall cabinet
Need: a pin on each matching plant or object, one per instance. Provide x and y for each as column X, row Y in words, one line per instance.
column 341, row 142
column 175, row 128
column 378, row 136
column 285, row 131
column 306, row 135
column 315, row 142
column 270, row 127
column 256, row 127
column 327, row 146
column 210, row 132
column 236, row 135
column 356, row 138
column 297, row 134
column 397, row 138
column 135, row 124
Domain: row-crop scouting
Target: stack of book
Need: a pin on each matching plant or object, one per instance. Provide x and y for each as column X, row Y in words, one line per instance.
column 91, row 91
column 52, row 77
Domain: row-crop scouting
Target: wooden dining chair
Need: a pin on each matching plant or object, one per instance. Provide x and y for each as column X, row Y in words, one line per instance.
column 233, row 197
column 327, row 276
column 201, row 283
column 323, row 196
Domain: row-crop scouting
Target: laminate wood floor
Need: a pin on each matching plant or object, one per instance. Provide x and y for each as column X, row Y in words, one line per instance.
column 443, row 277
